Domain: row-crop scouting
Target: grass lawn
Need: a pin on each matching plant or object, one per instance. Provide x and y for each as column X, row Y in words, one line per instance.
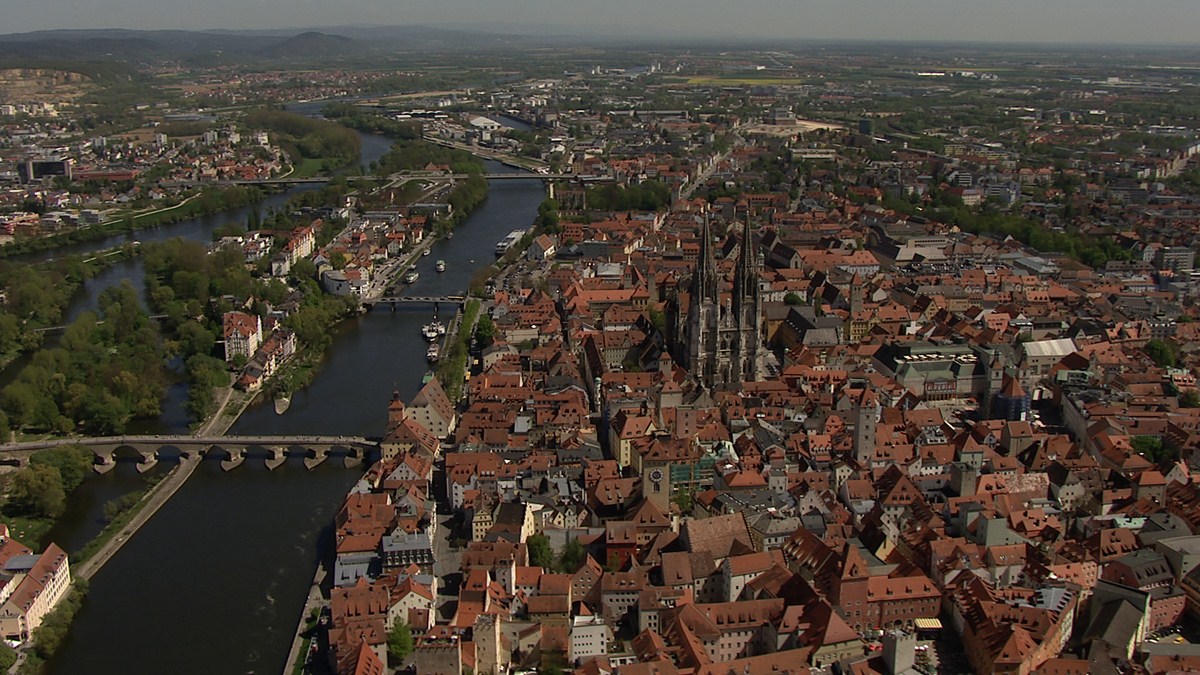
column 28, row 531
column 302, row 658
column 307, row 168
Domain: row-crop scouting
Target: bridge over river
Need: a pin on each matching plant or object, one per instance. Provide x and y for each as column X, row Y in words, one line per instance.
column 314, row 449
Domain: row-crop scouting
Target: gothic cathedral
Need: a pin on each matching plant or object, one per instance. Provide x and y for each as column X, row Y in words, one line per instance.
column 724, row 343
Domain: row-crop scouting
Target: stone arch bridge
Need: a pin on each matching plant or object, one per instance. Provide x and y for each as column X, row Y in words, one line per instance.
column 232, row 449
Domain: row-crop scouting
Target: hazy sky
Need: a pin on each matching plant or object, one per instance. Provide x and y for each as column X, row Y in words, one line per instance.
column 1126, row 21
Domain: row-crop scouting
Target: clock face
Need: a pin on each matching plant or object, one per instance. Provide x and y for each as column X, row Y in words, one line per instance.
column 656, row 475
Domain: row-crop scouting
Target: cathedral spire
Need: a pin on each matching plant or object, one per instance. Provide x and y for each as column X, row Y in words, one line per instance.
column 704, row 283
column 746, row 273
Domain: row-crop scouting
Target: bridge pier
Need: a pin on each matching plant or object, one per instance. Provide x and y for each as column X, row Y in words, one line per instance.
column 236, row 457
column 353, row 458
column 277, row 458
column 106, row 464
column 147, row 463
column 318, row 457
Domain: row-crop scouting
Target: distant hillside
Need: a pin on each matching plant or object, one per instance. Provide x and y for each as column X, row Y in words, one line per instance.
column 311, row 45
column 225, row 46
column 81, row 47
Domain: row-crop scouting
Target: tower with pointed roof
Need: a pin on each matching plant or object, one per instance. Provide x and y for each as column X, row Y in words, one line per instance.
column 703, row 312
column 856, row 294
column 866, row 421
column 746, row 359
column 724, row 342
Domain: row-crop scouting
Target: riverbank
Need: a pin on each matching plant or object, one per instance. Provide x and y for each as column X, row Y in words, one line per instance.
column 205, row 202
column 125, row 526
column 316, row 602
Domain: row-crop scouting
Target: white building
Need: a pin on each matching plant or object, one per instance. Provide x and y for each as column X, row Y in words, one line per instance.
column 31, row 587
column 590, row 635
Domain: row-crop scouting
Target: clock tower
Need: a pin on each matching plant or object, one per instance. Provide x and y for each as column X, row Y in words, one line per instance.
column 656, row 485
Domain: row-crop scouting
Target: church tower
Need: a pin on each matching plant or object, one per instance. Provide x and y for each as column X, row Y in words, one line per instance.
column 724, row 335
column 856, row 295
column 746, row 357
column 703, row 312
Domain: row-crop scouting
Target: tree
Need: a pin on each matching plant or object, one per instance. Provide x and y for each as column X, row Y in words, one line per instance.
column 540, row 554
column 1161, row 353
column 73, row 463
column 485, row 330
column 658, row 319
column 1189, row 399
column 572, row 558
column 37, row 490
column 684, row 501
column 793, row 298
column 1153, row 448
column 400, row 642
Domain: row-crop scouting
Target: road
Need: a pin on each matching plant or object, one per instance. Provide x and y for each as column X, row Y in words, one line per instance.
column 446, row 565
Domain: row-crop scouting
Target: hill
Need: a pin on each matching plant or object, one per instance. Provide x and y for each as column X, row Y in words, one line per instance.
column 311, row 44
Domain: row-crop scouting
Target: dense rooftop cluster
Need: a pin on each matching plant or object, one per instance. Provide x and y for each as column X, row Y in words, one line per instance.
column 947, row 436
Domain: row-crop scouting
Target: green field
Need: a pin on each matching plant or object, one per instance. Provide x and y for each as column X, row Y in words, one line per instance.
column 744, row 80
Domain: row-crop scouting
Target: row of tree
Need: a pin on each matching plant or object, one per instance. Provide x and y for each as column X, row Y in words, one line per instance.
column 416, row 154
column 305, row 137
column 542, row 555
column 40, row 489
column 208, row 200
column 355, row 117
column 648, row 195
column 107, row 370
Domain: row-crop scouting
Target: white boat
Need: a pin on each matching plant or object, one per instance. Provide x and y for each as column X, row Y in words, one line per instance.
column 432, row 353
column 440, row 266
column 425, row 252
column 509, row 241
column 431, row 331
column 441, row 327
column 411, row 277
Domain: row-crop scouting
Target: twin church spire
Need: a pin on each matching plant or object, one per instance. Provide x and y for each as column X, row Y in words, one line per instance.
column 724, row 333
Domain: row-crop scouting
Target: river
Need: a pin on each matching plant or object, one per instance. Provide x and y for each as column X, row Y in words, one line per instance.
column 216, row 580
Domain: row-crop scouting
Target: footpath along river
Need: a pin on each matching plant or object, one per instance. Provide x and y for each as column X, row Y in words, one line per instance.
column 215, row 581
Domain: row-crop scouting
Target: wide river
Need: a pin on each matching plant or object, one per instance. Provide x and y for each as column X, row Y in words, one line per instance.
column 215, row 582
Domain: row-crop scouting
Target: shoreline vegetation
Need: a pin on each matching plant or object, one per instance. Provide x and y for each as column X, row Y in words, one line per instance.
column 208, row 201
column 37, row 297
column 189, row 299
column 313, row 147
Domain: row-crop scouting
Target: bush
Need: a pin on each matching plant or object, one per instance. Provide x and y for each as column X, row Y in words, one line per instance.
column 8, row 656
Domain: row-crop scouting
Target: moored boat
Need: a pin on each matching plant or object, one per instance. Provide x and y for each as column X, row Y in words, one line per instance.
column 411, row 277
column 440, row 266
column 432, row 353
